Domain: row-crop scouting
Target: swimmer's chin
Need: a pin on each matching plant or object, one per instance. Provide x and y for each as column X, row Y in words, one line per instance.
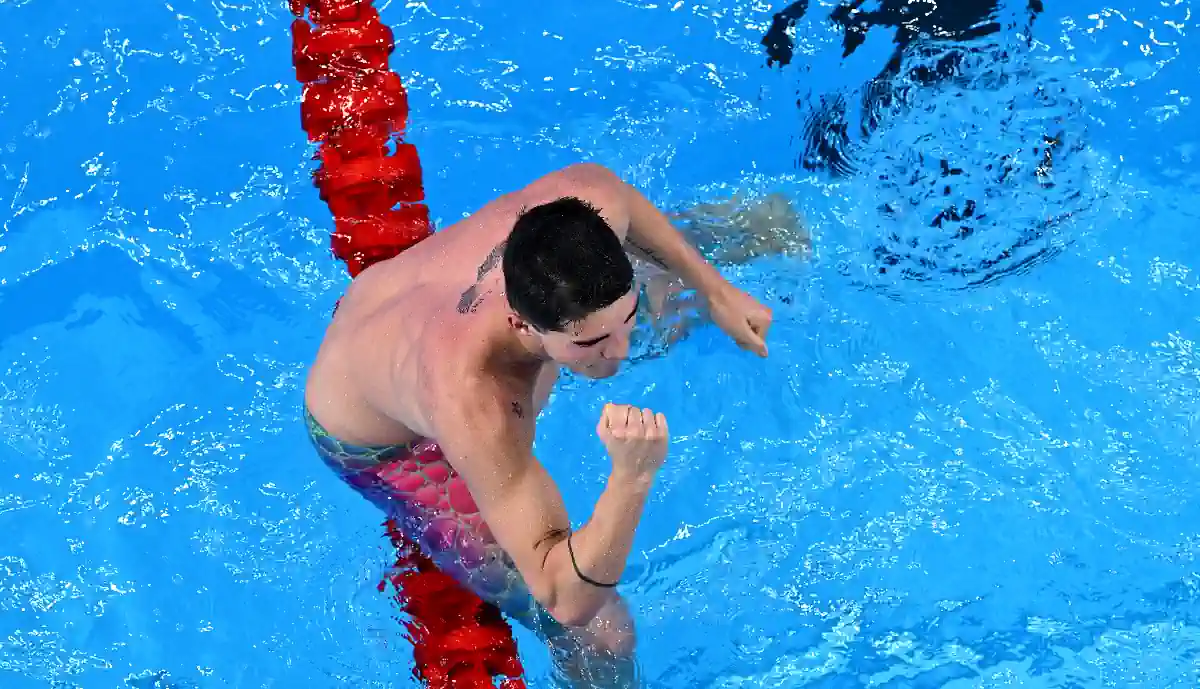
column 599, row 372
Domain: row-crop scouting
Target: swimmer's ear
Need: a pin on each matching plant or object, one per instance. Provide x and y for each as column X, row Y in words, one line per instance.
column 517, row 323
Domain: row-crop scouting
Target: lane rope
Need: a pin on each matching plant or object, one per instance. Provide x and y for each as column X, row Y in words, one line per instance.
column 356, row 109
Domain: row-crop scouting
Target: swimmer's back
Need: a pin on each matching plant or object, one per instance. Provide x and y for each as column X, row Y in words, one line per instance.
column 398, row 342
column 381, row 351
column 397, row 333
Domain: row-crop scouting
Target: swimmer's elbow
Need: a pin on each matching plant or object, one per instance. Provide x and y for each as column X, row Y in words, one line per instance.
column 570, row 611
column 561, row 605
column 563, row 595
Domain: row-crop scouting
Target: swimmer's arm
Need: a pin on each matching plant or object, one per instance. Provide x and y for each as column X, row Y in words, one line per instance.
column 524, row 510
column 648, row 232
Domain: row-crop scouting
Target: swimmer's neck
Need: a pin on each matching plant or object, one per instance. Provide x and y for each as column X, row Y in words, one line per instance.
column 519, row 353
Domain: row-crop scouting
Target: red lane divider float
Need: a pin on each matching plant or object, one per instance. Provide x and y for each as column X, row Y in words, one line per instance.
column 355, row 108
column 458, row 640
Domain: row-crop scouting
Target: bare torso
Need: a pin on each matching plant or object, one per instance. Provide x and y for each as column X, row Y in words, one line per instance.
column 401, row 340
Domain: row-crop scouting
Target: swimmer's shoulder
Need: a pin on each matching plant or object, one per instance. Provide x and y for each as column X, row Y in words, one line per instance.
column 590, row 182
column 472, row 239
column 471, row 407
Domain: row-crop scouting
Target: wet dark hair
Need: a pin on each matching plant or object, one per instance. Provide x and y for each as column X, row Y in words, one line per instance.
column 563, row 262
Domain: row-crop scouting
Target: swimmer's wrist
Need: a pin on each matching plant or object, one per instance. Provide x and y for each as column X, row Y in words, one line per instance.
column 718, row 290
column 703, row 277
column 634, row 481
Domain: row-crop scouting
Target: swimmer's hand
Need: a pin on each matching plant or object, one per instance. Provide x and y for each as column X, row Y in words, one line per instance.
column 742, row 317
column 636, row 440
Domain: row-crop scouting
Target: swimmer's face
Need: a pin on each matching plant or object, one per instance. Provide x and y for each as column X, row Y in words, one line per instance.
column 595, row 346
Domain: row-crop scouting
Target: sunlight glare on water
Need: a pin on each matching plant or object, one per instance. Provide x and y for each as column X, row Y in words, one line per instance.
column 969, row 461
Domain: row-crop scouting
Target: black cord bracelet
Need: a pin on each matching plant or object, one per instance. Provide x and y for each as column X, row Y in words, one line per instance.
column 581, row 575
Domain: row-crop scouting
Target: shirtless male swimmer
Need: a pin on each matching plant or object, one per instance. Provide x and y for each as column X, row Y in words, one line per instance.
column 431, row 375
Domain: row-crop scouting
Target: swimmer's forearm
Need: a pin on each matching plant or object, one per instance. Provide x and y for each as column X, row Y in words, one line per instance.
column 601, row 548
column 653, row 236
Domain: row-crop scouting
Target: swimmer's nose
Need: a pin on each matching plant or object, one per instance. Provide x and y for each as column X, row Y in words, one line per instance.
column 618, row 350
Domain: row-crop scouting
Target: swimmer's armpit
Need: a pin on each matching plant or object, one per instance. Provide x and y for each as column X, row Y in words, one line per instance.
column 644, row 253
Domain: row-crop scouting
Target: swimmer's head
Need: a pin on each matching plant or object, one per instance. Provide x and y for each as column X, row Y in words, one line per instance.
column 570, row 286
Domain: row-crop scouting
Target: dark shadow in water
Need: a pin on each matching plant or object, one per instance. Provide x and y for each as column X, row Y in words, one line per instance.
column 826, row 133
column 964, row 202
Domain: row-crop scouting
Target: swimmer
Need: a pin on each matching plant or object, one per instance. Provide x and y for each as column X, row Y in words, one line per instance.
column 426, row 388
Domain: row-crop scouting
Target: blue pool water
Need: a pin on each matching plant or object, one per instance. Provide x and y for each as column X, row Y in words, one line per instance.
column 970, row 460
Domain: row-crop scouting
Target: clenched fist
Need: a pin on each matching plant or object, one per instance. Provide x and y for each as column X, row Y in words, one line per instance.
column 636, row 439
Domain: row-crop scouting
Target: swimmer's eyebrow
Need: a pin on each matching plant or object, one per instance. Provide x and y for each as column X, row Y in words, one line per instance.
column 596, row 340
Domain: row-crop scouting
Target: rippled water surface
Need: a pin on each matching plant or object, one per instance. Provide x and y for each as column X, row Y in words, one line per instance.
column 970, row 461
